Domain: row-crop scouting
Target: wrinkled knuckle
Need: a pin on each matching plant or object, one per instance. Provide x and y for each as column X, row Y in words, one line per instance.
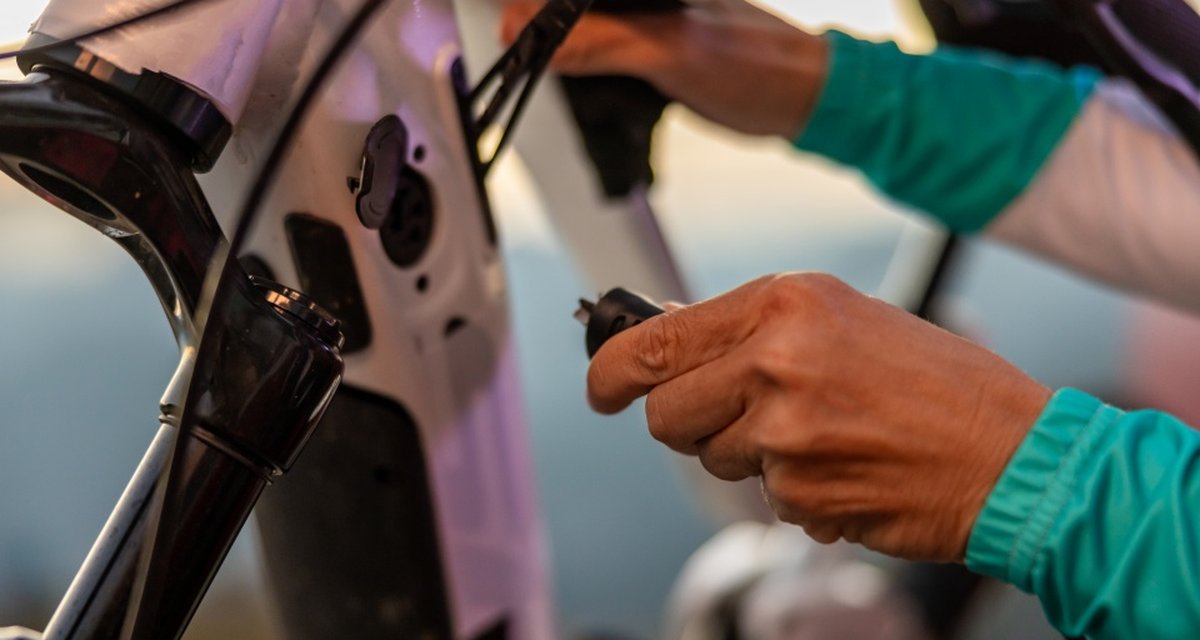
column 783, row 291
column 806, row 290
column 825, row 284
column 776, row 359
column 657, row 344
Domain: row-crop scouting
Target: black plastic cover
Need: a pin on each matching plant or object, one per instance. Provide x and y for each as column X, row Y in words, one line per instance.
column 350, row 538
column 615, row 312
column 617, row 114
column 328, row 276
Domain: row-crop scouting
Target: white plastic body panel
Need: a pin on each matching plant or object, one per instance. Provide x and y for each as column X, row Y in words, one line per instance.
column 214, row 46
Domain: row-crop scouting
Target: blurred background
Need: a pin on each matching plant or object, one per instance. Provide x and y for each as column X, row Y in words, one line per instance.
column 85, row 354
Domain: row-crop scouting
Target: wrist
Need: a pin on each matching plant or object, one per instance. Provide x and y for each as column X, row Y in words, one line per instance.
column 1026, row 499
column 1014, row 406
column 851, row 73
column 810, row 74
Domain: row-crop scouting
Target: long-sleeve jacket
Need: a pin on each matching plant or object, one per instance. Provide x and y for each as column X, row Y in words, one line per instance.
column 1098, row 511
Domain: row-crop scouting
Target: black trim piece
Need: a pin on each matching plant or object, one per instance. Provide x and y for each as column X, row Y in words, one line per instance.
column 327, row 275
column 350, row 535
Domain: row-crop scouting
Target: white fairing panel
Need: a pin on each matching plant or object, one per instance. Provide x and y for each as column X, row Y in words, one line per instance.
column 213, row 46
column 460, row 387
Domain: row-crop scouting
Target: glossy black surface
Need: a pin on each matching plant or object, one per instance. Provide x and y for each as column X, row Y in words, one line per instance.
column 90, row 154
column 408, row 230
column 270, row 377
column 385, row 154
column 264, row 378
column 617, row 311
column 326, row 268
column 195, row 122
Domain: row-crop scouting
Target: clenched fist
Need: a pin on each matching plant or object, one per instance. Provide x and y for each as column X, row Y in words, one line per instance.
column 864, row 422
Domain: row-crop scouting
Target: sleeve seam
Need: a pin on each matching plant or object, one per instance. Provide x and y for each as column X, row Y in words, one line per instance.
column 1044, row 509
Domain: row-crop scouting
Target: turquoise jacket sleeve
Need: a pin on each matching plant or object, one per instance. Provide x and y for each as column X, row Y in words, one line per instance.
column 1098, row 515
column 957, row 134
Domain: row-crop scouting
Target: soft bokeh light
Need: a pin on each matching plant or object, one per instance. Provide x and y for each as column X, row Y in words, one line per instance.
column 16, row 16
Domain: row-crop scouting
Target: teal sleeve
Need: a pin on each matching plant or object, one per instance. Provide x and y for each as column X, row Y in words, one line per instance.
column 1098, row 515
column 957, row 134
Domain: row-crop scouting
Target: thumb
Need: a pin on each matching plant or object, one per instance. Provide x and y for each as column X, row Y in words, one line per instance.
column 601, row 44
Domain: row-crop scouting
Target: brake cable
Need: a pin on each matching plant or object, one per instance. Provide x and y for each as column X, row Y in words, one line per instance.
column 522, row 64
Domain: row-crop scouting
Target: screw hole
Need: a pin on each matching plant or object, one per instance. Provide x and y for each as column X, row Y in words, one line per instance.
column 423, row 284
column 419, row 153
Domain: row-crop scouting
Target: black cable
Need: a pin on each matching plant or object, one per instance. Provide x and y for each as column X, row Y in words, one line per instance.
column 527, row 59
column 510, row 126
column 99, row 31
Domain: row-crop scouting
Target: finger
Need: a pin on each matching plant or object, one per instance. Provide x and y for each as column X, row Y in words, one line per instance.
column 686, row 410
column 629, row 44
column 823, row 533
column 731, row 454
column 665, row 347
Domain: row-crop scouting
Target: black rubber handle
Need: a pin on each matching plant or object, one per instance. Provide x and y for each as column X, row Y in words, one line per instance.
column 617, row 114
column 617, row 311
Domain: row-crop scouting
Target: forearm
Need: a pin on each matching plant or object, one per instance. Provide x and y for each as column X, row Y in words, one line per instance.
column 958, row 134
column 1034, row 155
column 1096, row 514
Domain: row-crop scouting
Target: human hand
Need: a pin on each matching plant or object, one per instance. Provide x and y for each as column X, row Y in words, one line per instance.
column 727, row 60
column 864, row 422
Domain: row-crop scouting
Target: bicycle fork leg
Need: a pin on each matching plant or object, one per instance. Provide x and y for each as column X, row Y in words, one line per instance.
column 268, row 376
column 103, row 583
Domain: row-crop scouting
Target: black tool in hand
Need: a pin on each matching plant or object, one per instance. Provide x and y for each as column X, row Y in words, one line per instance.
column 613, row 313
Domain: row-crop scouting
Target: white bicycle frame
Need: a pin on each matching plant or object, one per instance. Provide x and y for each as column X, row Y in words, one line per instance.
column 440, row 345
